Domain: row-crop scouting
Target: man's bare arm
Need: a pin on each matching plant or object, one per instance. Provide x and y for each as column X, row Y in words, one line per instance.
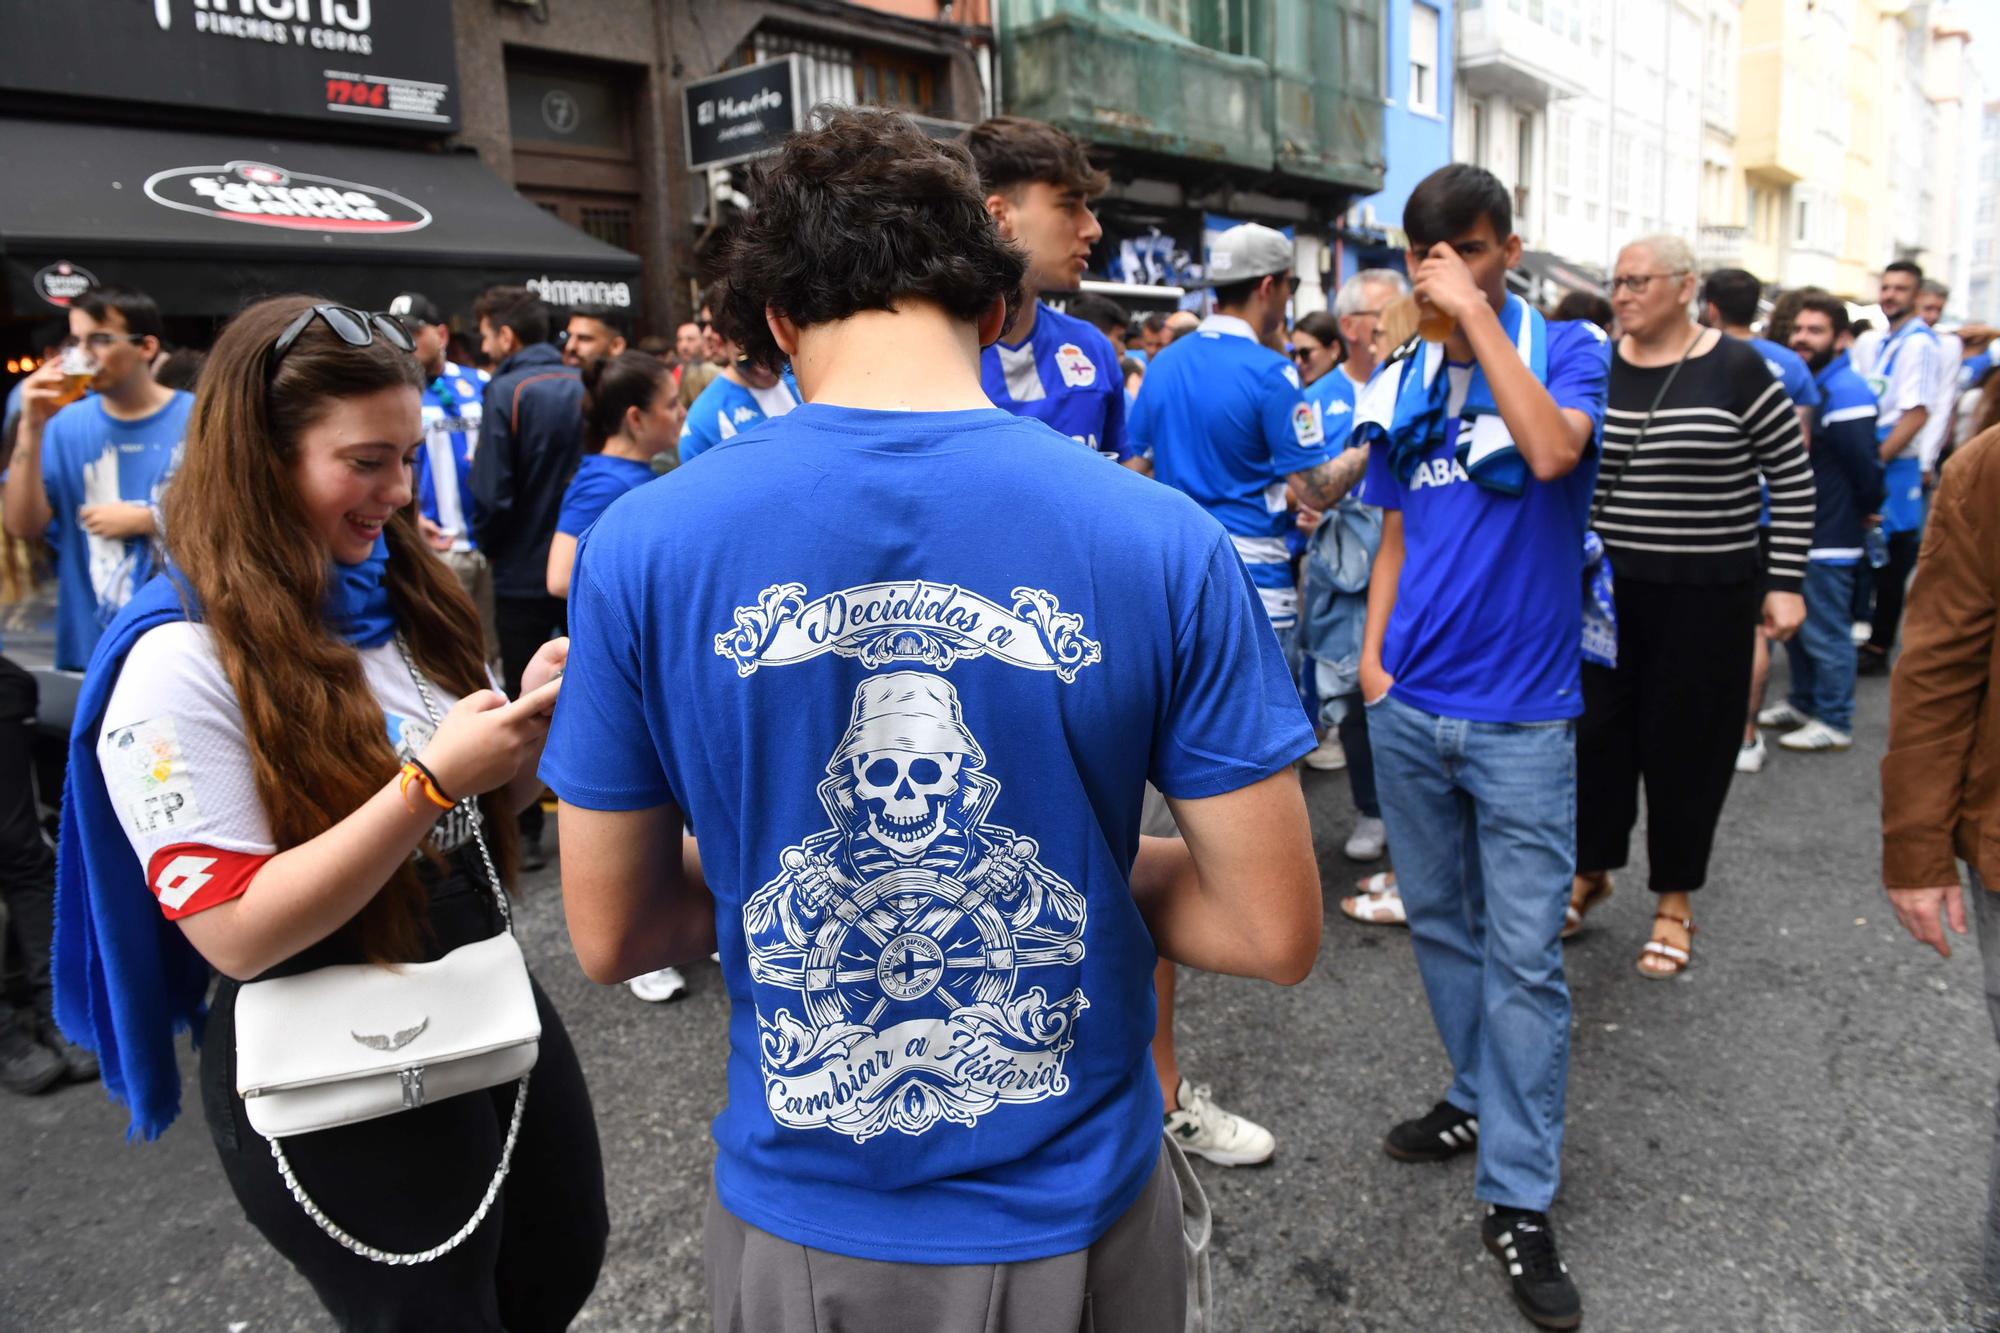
column 1322, row 484
column 1238, row 892
column 1905, row 430
column 633, row 891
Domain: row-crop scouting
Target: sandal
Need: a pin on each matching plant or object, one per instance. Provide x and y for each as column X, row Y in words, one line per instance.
column 1573, row 915
column 1672, row 953
column 1378, row 903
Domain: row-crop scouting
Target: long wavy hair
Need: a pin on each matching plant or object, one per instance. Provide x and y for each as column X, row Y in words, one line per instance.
column 238, row 531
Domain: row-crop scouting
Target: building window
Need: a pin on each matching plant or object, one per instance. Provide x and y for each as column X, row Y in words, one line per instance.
column 1621, row 170
column 1524, row 162
column 1423, row 92
column 1803, row 232
column 1559, row 151
column 843, row 75
column 1478, row 153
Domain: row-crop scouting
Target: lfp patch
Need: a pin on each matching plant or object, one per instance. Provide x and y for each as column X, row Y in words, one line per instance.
column 1305, row 425
column 1078, row 370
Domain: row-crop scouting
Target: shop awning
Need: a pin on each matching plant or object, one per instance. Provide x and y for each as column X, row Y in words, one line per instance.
column 204, row 223
column 1540, row 265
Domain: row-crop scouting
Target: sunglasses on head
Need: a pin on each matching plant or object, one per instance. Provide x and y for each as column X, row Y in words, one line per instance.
column 356, row 328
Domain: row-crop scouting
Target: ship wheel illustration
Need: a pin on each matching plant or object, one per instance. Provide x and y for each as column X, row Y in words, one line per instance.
column 914, row 944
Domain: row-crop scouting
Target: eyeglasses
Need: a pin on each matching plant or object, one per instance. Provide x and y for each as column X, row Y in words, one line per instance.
column 356, row 328
column 1639, row 282
column 1306, row 353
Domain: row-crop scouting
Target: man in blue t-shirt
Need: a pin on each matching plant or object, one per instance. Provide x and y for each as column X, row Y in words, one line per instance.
column 1484, row 455
column 88, row 476
column 1049, row 365
column 453, row 399
column 1226, row 420
column 911, row 715
column 744, row 394
column 1729, row 299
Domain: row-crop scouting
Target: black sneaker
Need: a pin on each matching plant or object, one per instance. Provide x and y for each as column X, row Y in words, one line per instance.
column 1526, row 1244
column 26, row 1066
column 1444, row 1133
column 1870, row 661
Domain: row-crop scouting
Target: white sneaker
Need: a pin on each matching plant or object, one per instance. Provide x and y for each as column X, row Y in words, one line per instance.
column 1750, row 758
column 1206, row 1130
column 1328, row 756
column 1368, row 840
column 1816, row 736
column 659, row 987
column 1782, row 717
column 1861, row 632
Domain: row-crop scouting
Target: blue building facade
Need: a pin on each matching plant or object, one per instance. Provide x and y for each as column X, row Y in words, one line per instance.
column 1419, row 76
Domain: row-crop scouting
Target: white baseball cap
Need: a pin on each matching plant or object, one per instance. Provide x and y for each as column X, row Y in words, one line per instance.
column 1247, row 251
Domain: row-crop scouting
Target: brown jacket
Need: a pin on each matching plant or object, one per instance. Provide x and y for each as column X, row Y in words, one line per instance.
column 1941, row 777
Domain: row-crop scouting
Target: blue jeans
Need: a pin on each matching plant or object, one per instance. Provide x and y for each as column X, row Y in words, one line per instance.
column 1822, row 652
column 1483, row 819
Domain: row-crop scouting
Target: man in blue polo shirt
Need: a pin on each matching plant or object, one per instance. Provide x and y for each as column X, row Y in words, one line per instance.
column 1050, row 366
column 1226, row 419
column 452, row 402
column 911, row 715
column 1483, row 457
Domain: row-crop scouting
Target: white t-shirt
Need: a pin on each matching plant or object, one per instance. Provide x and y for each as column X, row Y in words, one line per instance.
column 177, row 764
column 1943, row 420
column 1911, row 380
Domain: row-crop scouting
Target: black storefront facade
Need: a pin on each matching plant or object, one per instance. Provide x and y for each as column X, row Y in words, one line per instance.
column 209, row 152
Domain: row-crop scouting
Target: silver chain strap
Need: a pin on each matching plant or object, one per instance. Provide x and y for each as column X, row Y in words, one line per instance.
column 470, row 807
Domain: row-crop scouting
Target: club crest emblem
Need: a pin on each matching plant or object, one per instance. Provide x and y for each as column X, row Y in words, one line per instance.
column 1078, row 370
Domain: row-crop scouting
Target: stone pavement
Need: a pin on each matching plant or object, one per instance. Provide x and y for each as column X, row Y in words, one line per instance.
column 1793, row 1136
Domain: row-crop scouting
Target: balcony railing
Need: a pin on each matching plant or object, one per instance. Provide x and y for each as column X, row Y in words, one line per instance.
column 1291, row 99
column 1720, row 247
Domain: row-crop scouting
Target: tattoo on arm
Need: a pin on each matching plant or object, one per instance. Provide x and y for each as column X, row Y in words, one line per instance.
column 1323, row 484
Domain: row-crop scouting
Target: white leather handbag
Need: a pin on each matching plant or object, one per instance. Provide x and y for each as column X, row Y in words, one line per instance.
column 357, row 1041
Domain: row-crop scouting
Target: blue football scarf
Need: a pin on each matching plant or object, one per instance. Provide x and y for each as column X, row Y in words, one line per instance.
column 1420, row 414
column 126, row 979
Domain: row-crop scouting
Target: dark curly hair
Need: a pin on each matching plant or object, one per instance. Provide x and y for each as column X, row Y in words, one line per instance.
column 1012, row 151
column 856, row 215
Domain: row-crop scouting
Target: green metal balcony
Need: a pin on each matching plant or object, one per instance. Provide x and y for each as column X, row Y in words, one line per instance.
column 1285, row 88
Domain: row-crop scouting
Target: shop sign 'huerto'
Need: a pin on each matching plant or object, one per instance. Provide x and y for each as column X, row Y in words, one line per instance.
column 267, row 196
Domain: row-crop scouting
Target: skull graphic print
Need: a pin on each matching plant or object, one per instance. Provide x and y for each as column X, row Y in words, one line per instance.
column 915, row 962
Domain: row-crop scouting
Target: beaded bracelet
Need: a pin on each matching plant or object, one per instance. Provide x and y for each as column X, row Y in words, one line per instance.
column 416, row 774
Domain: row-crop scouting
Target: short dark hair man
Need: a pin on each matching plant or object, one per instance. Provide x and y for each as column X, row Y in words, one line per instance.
column 1847, row 481
column 689, row 343
column 1049, row 365
column 93, row 470
column 1729, row 298
column 1106, row 316
column 746, row 393
column 530, row 437
column 911, row 721
column 594, row 331
column 1483, row 456
column 1900, row 363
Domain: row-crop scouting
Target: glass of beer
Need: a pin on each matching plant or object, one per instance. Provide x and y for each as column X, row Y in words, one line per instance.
column 1434, row 325
column 79, row 368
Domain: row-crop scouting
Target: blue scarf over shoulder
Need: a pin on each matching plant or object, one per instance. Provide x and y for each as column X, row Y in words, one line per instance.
column 126, row 979
column 1408, row 407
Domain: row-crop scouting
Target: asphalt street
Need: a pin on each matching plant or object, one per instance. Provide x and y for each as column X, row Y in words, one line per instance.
column 1792, row 1136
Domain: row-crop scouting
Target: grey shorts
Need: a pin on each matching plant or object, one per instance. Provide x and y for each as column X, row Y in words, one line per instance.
column 1142, row 1276
column 1156, row 820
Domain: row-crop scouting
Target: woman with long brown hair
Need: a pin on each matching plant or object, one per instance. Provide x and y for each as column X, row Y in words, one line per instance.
column 277, row 740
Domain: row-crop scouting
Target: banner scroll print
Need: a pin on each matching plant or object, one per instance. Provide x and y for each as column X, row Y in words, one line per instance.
column 908, row 620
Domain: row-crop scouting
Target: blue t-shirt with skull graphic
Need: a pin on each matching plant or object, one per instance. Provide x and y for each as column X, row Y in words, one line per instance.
column 912, row 719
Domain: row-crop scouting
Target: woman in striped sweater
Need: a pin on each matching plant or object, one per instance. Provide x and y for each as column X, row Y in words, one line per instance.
column 1678, row 514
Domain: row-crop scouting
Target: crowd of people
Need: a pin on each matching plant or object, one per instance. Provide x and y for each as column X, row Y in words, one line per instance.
column 965, row 797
